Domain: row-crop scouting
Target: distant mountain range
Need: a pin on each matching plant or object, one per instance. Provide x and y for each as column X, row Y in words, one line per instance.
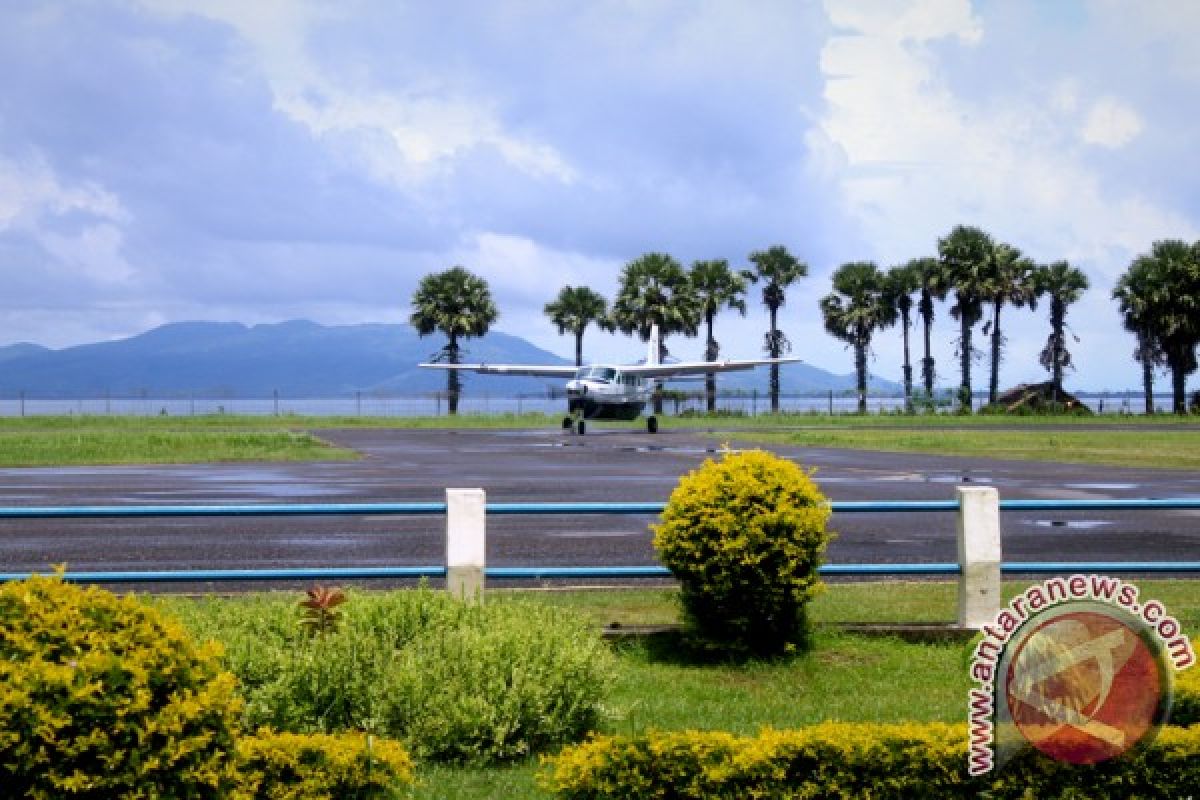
column 303, row 359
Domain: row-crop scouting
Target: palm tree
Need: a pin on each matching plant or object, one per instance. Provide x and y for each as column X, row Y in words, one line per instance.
column 777, row 269
column 1064, row 284
column 966, row 254
column 901, row 282
column 859, row 305
column 1134, row 294
column 934, row 283
column 716, row 287
column 459, row 305
column 1011, row 280
column 573, row 310
column 655, row 290
column 1174, row 310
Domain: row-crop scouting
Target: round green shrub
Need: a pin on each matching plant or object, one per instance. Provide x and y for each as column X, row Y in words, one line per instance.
column 102, row 697
column 744, row 536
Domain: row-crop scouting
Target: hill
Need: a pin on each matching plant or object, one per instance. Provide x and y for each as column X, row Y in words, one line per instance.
column 299, row 359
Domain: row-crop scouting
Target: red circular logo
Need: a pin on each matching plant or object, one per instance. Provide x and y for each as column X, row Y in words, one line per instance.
column 1084, row 686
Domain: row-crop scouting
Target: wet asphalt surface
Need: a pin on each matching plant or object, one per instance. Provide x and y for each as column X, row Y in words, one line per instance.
column 552, row 466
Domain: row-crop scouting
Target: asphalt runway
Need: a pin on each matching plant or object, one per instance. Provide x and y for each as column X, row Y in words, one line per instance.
column 552, row 466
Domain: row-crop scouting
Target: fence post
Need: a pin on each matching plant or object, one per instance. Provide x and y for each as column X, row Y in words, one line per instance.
column 978, row 555
column 466, row 537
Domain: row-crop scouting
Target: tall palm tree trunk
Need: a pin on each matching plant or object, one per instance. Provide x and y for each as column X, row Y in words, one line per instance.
column 860, row 369
column 1147, row 372
column 927, row 370
column 453, row 381
column 579, row 348
column 1058, row 314
column 710, row 378
column 964, row 390
column 658, row 385
column 1178, row 390
column 908, row 373
column 774, row 367
column 994, row 383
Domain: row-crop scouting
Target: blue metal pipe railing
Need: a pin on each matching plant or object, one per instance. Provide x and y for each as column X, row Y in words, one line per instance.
column 223, row 575
column 412, row 509
column 257, row 510
column 1150, row 504
column 535, row 573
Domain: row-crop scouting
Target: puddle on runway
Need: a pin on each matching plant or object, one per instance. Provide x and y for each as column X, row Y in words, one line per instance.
column 685, row 451
column 980, row 478
column 1069, row 524
column 1103, row 487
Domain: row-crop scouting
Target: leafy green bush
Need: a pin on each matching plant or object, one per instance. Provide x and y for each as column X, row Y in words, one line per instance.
column 290, row 766
column 103, row 697
column 453, row 681
column 744, row 536
column 853, row 760
column 514, row 679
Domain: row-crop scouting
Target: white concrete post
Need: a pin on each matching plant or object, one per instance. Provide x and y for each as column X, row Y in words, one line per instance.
column 466, row 540
column 978, row 555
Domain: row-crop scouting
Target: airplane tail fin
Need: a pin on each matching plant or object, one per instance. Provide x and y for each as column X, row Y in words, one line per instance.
column 653, row 347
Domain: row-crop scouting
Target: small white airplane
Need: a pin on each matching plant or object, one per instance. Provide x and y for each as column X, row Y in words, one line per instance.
column 611, row 391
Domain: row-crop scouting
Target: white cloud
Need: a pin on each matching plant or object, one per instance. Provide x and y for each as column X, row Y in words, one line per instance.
column 30, row 191
column 1111, row 123
column 79, row 225
column 410, row 139
column 405, row 134
column 911, row 21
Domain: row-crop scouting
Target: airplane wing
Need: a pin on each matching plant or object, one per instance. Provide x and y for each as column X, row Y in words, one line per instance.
column 699, row 367
column 535, row 370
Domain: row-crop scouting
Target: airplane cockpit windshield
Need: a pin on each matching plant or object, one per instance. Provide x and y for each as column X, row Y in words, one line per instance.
column 601, row 374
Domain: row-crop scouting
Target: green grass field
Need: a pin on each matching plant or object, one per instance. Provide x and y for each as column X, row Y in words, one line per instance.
column 1147, row 447
column 1161, row 441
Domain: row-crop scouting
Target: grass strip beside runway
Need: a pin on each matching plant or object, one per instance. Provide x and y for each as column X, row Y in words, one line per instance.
column 1160, row 441
column 94, row 446
column 1143, row 448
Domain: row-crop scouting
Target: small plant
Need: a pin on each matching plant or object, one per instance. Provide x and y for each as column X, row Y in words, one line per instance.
column 744, row 536
column 319, row 614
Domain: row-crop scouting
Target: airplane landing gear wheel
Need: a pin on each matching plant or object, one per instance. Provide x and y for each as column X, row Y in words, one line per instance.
column 567, row 423
column 651, row 424
column 582, row 428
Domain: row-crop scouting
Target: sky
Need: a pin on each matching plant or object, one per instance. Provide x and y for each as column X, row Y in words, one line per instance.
column 169, row 160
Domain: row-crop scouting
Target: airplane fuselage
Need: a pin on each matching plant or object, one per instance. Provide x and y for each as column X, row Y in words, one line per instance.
column 604, row 392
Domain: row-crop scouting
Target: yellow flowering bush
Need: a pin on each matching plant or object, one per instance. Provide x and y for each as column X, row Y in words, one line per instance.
column 102, row 697
column 839, row 761
column 319, row 766
column 1186, row 709
column 744, row 536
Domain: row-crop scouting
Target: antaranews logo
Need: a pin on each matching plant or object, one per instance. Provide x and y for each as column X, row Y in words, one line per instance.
column 1076, row 667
